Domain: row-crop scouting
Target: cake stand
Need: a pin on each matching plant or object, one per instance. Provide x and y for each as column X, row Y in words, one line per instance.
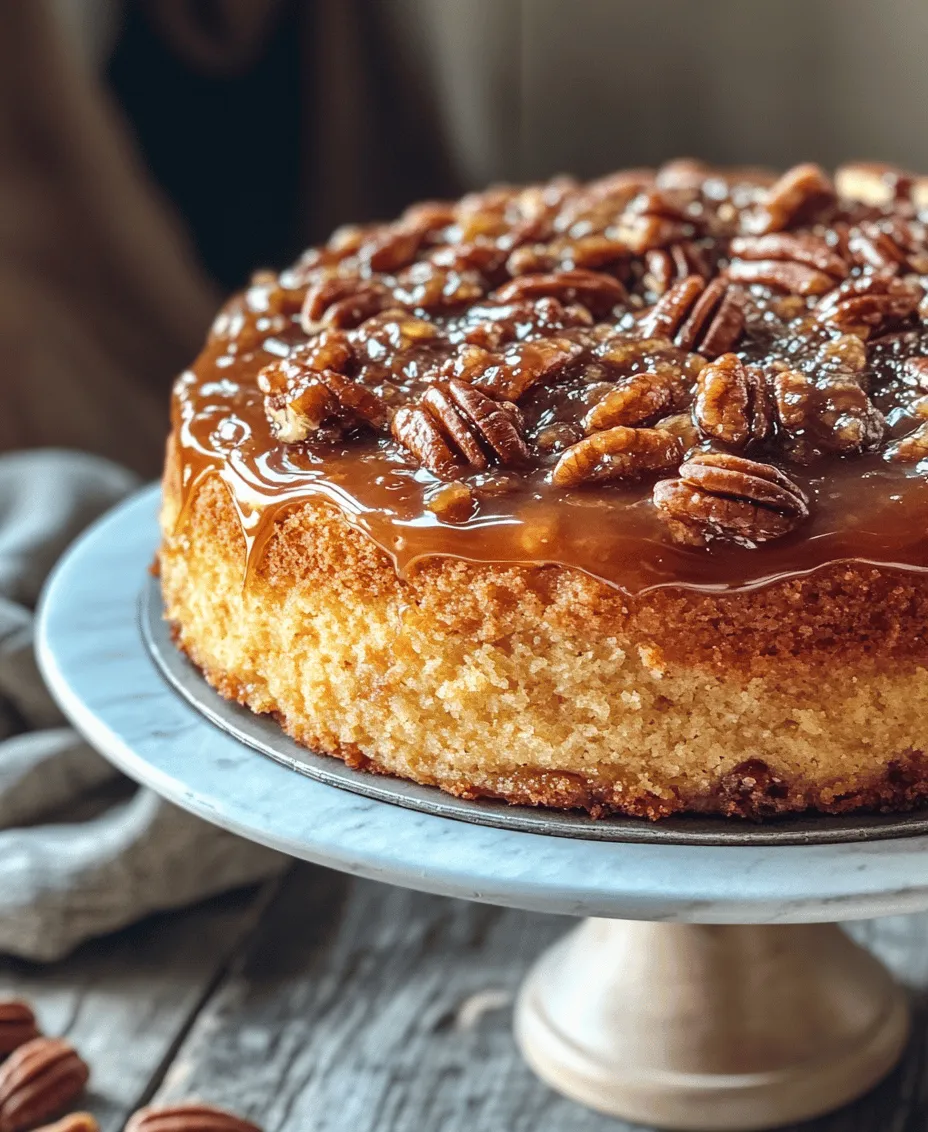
column 709, row 987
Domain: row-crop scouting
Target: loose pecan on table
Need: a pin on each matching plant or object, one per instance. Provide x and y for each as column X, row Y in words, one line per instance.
column 38, row 1081
column 707, row 318
column 718, row 496
column 188, row 1117
column 617, row 454
column 456, row 426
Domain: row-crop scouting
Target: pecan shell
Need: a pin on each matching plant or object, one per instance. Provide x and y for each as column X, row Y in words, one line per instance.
column 38, row 1081
column 188, row 1117
column 727, row 497
column 17, row 1025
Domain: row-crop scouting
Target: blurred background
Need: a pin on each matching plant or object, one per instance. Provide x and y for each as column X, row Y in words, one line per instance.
column 153, row 152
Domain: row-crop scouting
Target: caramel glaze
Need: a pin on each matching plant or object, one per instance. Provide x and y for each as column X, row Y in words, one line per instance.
column 406, row 299
column 862, row 507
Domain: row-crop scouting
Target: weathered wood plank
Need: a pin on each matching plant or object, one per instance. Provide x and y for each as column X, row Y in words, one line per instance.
column 391, row 1011
column 127, row 1001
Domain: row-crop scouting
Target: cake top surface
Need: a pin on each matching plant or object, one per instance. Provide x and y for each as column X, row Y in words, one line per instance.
column 677, row 376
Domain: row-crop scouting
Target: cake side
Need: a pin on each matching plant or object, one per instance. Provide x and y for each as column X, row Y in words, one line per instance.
column 541, row 685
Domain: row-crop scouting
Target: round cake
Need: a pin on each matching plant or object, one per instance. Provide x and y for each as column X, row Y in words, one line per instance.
column 607, row 495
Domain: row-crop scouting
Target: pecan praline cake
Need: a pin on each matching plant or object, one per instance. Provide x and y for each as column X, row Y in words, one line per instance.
column 609, row 495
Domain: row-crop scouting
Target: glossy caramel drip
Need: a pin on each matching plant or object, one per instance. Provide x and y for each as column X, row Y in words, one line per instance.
column 862, row 506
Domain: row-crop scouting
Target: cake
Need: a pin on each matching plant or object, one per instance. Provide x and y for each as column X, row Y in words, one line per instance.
column 607, row 496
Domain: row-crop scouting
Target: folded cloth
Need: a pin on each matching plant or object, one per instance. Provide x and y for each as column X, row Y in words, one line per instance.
column 82, row 852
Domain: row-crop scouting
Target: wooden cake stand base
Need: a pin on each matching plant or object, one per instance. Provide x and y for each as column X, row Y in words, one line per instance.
column 711, row 1027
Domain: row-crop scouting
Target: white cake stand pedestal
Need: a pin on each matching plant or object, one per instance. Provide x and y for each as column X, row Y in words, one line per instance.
column 710, row 990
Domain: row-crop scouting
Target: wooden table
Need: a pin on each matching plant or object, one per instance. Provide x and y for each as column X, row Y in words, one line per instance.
column 320, row 1003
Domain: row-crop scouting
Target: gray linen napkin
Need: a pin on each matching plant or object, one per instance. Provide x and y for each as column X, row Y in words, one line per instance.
column 82, row 852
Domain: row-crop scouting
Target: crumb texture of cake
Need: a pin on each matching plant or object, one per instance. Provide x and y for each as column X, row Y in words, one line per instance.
column 607, row 495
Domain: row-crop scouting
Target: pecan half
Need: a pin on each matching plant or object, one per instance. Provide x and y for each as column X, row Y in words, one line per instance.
column 732, row 403
column 654, row 219
column 890, row 246
column 802, row 195
column 17, row 1025
column 457, row 426
column 189, row 1116
column 617, row 453
column 299, row 399
column 507, row 376
column 595, row 290
column 911, row 449
column 696, row 316
column 38, row 1081
column 727, row 497
column 666, row 266
column 341, row 301
column 802, row 264
column 831, row 415
column 864, row 304
column 872, row 183
column 637, row 399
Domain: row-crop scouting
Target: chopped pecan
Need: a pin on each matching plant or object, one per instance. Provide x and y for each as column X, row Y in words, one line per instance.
column 597, row 291
column 456, row 426
column 802, row 195
column 393, row 247
column 911, row 449
column 696, row 316
column 188, row 1116
column 872, row 183
column 509, row 375
column 453, row 502
column 867, row 303
column 299, row 399
column 732, row 403
column 617, row 453
column 38, row 1081
column 17, row 1025
column 719, row 496
column 429, row 287
column 832, row 415
column 916, row 369
column 638, row 399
